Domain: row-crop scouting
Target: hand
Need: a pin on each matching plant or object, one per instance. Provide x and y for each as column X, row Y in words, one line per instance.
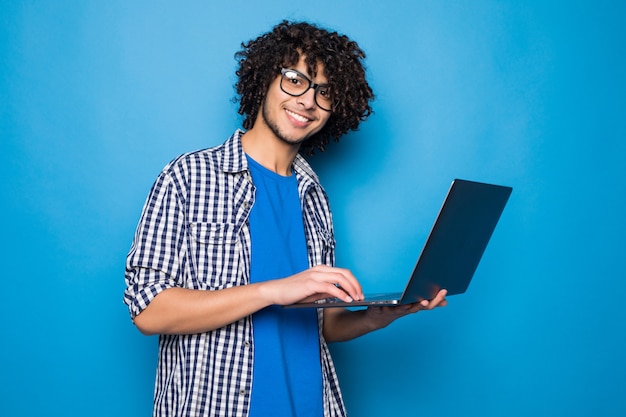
column 314, row 284
column 380, row 317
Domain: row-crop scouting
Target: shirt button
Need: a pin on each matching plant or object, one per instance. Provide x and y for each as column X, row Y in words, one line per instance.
column 242, row 392
column 246, row 344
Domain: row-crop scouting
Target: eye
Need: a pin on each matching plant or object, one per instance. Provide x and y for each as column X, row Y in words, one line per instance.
column 324, row 92
column 293, row 77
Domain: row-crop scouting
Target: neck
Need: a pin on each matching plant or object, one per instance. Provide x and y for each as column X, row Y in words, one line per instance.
column 269, row 151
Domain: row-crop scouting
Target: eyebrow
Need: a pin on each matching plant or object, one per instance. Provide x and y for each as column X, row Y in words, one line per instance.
column 326, row 84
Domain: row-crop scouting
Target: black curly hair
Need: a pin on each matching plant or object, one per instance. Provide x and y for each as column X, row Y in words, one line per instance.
column 260, row 61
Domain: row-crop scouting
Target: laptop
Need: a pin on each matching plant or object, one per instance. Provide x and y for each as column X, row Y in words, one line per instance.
column 453, row 249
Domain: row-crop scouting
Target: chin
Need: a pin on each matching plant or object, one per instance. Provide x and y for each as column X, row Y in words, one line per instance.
column 290, row 139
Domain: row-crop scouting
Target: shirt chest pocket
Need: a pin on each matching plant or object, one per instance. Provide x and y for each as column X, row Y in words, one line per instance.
column 215, row 254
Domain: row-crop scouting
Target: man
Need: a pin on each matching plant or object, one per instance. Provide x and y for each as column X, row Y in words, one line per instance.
column 230, row 234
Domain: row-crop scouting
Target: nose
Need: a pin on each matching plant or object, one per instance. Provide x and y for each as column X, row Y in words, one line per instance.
column 307, row 99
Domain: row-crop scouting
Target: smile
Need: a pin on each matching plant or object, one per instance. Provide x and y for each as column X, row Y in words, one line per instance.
column 298, row 117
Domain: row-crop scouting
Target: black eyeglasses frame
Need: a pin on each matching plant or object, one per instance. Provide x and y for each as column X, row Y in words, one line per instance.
column 312, row 85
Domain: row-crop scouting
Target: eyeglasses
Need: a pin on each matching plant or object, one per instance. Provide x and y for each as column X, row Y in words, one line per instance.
column 296, row 84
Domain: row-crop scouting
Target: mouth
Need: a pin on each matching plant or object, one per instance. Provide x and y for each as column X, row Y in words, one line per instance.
column 298, row 117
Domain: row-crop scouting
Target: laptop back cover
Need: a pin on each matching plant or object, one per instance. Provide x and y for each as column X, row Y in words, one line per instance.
column 457, row 240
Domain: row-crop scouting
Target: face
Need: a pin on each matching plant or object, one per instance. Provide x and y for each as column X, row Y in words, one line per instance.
column 293, row 119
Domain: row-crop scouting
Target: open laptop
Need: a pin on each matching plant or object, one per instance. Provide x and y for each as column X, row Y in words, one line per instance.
column 453, row 249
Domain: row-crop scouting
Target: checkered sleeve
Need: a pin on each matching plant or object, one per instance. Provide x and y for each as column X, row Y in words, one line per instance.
column 154, row 261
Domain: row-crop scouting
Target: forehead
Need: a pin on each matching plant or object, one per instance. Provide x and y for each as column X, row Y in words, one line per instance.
column 314, row 70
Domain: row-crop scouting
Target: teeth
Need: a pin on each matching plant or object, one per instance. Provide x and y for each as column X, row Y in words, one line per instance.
column 298, row 117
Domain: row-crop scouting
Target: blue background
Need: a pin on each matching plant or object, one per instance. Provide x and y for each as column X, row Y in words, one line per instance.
column 95, row 98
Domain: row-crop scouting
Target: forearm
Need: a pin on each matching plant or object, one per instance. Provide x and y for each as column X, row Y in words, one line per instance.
column 184, row 311
column 187, row 311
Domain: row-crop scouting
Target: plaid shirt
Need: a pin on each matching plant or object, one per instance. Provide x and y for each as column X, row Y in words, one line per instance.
column 194, row 233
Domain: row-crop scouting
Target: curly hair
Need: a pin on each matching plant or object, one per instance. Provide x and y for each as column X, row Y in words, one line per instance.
column 260, row 61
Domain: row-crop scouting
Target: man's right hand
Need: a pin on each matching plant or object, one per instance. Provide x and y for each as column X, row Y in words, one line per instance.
column 314, row 284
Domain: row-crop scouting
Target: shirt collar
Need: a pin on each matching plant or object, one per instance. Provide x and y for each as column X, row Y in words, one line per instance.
column 235, row 160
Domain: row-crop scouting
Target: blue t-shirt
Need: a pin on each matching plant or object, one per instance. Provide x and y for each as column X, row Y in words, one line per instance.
column 287, row 375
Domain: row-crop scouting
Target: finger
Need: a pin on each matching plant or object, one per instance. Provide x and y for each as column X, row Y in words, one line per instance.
column 344, row 280
column 419, row 306
column 327, row 283
column 325, row 290
column 439, row 300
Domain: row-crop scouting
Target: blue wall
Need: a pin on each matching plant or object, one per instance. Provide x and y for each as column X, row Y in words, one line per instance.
column 95, row 97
